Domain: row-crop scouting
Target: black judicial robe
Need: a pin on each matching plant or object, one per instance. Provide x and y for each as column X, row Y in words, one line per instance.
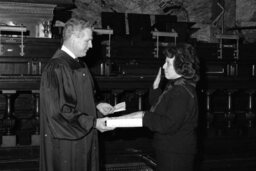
column 67, row 109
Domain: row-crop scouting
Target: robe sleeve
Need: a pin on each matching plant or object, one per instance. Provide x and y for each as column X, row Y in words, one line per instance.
column 64, row 120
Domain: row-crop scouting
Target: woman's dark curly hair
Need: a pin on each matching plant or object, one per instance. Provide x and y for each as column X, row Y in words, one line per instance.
column 186, row 62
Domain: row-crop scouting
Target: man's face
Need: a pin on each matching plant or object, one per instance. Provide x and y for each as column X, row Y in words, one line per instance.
column 83, row 42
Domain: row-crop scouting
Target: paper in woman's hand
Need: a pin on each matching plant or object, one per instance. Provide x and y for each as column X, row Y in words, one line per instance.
column 120, row 107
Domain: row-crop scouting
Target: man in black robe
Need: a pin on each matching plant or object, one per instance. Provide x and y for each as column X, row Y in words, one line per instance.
column 69, row 121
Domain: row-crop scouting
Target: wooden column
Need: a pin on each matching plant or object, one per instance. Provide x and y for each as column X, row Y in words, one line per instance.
column 35, row 137
column 9, row 138
column 116, row 93
column 140, row 94
column 250, row 115
column 229, row 114
column 209, row 114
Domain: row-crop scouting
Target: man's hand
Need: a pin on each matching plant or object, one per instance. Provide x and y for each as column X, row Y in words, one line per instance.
column 101, row 125
column 157, row 79
column 105, row 108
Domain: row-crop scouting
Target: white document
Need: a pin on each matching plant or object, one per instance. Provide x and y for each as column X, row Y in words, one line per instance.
column 124, row 122
column 120, row 107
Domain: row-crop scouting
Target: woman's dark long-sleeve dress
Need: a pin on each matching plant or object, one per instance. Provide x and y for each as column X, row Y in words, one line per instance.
column 67, row 109
column 173, row 119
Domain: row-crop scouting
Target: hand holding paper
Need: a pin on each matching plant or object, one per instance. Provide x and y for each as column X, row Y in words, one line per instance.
column 101, row 126
column 105, row 108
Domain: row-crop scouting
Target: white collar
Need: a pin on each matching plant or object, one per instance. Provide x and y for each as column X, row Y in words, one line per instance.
column 65, row 49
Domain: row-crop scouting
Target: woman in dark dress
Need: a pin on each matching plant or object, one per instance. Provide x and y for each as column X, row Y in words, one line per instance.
column 173, row 116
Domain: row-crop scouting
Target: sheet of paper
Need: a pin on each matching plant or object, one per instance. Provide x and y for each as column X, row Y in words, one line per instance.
column 120, row 107
column 124, row 122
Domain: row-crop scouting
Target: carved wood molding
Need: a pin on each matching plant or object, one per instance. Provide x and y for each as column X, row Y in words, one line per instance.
column 14, row 9
column 59, row 2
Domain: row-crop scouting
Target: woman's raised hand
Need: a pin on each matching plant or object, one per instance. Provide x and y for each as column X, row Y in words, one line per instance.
column 157, row 79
